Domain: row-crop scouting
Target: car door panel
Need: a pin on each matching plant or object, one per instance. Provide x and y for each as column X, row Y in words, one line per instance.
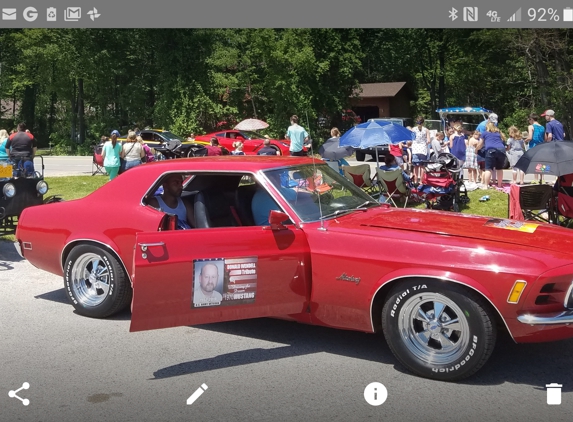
column 264, row 273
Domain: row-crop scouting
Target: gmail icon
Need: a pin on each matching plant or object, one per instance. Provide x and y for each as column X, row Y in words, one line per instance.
column 8, row 14
column 72, row 14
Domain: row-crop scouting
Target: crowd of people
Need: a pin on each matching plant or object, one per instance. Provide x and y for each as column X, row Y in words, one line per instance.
column 482, row 152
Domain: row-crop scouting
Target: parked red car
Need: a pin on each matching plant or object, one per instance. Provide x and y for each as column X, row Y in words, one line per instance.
column 252, row 141
column 439, row 285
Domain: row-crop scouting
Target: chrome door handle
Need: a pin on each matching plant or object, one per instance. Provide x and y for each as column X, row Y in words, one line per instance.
column 145, row 246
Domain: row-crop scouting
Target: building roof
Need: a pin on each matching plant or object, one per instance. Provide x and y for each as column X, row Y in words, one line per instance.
column 380, row 89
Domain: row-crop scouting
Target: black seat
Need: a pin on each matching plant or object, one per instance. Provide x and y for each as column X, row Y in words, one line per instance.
column 536, row 202
column 202, row 220
column 212, row 209
column 243, row 199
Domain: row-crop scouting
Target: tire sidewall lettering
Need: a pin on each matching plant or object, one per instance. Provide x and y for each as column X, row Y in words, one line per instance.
column 403, row 295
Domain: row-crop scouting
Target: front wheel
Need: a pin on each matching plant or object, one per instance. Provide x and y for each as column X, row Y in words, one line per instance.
column 438, row 330
column 96, row 282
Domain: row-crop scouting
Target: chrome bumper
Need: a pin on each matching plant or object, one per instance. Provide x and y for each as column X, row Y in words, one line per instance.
column 562, row 318
column 18, row 248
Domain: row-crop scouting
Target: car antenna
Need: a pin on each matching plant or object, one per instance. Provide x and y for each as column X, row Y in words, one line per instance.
column 314, row 173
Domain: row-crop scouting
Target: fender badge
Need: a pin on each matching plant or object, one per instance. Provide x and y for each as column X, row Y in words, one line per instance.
column 345, row 277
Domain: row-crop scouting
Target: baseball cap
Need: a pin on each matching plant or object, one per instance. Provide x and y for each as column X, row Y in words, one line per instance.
column 548, row 113
column 115, row 132
column 493, row 118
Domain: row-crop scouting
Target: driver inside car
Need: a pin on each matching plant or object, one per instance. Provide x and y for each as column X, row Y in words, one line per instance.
column 170, row 201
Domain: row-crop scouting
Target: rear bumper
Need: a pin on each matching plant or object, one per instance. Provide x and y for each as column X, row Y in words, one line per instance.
column 556, row 319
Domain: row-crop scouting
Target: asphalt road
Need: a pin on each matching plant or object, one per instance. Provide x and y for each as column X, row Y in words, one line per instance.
column 82, row 166
column 82, row 369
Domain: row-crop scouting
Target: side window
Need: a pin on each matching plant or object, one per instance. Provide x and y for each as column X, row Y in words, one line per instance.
column 221, row 135
column 146, row 136
column 157, row 138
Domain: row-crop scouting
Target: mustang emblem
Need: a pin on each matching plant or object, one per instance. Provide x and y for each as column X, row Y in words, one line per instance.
column 345, row 277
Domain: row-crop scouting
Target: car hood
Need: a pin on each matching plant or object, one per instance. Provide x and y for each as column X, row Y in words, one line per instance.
column 538, row 235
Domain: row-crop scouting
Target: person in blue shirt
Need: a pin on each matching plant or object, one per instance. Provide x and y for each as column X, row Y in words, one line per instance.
column 493, row 142
column 553, row 129
column 482, row 126
column 297, row 136
column 263, row 202
column 535, row 136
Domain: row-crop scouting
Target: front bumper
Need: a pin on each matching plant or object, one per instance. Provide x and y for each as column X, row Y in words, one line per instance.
column 557, row 319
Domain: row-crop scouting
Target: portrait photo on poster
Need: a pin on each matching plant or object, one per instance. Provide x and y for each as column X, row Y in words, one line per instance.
column 224, row 281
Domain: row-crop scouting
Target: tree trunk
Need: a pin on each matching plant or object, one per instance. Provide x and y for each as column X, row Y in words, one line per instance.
column 74, row 114
column 81, row 112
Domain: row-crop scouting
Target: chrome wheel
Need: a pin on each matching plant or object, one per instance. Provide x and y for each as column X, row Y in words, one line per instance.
column 90, row 279
column 434, row 329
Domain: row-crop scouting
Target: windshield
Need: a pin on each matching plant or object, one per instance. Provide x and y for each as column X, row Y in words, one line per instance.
column 170, row 136
column 304, row 189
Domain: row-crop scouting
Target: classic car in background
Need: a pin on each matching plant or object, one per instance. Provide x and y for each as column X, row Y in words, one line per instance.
column 439, row 285
column 17, row 193
column 252, row 141
column 167, row 143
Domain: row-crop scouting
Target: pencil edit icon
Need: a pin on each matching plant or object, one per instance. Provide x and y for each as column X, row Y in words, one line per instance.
column 197, row 394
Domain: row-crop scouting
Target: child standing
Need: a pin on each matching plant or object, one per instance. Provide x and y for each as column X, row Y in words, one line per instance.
column 458, row 144
column 238, row 145
column 471, row 157
column 515, row 149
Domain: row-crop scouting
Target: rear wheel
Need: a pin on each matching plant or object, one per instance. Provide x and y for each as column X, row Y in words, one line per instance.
column 96, row 282
column 438, row 330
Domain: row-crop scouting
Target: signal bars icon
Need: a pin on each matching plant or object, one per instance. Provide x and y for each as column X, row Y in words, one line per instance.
column 516, row 17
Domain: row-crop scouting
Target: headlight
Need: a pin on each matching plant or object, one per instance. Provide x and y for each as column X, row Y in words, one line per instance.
column 42, row 187
column 9, row 190
column 569, row 297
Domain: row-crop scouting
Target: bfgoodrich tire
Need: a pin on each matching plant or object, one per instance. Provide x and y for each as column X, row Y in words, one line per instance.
column 96, row 282
column 438, row 330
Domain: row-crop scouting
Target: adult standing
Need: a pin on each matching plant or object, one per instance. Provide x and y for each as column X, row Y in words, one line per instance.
column 493, row 142
column 297, row 136
column 535, row 135
column 491, row 118
column 110, row 154
column 132, row 151
column 553, row 129
column 21, row 147
column 4, row 154
column 420, row 148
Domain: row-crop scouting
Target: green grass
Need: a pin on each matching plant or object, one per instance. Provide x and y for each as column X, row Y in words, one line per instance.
column 74, row 187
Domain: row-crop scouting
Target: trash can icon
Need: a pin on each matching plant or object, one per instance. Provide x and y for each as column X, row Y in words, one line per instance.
column 554, row 393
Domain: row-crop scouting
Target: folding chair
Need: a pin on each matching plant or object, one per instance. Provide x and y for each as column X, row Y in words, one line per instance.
column 360, row 176
column 536, row 202
column 97, row 162
column 392, row 185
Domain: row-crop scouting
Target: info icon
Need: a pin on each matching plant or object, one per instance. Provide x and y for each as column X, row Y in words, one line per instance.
column 375, row 394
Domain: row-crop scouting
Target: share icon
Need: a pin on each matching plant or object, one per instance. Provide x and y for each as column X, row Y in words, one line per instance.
column 13, row 394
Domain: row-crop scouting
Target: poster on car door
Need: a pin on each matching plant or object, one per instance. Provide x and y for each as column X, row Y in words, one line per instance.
column 224, row 281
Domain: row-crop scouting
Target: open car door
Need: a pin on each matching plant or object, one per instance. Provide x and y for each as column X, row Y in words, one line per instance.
column 198, row 276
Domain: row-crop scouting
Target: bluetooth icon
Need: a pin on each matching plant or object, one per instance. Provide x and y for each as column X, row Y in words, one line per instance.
column 453, row 14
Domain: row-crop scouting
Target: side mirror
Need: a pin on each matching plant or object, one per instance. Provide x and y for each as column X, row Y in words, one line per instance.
column 276, row 220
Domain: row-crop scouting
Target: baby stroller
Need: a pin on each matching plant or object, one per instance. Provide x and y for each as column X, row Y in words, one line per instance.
column 442, row 186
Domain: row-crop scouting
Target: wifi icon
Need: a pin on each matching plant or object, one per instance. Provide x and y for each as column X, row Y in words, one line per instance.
column 516, row 17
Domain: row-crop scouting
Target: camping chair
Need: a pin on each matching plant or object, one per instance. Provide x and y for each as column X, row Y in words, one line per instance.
column 97, row 161
column 360, row 176
column 536, row 202
column 564, row 200
column 392, row 185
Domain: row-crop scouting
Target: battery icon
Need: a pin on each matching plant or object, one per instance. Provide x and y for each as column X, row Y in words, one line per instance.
column 568, row 14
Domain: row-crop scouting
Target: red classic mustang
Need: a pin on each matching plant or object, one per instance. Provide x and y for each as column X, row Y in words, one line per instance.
column 290, row 238
column 252, row 141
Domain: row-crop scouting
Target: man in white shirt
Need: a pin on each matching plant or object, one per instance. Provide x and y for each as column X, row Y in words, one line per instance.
column 206, row 295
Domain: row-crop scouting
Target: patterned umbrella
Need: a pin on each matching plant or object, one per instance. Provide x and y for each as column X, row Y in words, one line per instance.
column 554, row 158
column 251, row 124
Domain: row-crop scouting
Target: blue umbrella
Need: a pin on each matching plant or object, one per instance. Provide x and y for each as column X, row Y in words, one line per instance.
column 373, row 134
